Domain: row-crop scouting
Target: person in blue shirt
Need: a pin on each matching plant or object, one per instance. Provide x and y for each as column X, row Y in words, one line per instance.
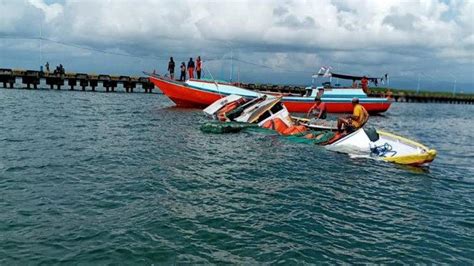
column 183, row 72
column 171, row 68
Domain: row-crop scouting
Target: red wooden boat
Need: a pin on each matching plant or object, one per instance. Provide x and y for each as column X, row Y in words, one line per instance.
column 201, row 93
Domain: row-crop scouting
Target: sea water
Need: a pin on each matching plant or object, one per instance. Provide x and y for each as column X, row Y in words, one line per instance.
column 128, row 178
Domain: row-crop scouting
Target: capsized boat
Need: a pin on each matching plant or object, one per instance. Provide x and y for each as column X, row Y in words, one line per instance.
column 317, row 124
column 268, row 112
column 265, row 111
column 239, row 109
column 383, row 146
column 201, row 93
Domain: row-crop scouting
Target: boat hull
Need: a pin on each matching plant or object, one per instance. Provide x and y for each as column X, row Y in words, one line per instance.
column 185, row 95
column 336, row 107
column 393, row 148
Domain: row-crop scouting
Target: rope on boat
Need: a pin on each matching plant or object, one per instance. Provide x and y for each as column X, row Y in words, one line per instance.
column 382, row 150
column 215, row 82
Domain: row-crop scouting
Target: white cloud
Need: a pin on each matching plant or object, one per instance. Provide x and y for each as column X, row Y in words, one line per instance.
column 358, row 33
column 50, row 11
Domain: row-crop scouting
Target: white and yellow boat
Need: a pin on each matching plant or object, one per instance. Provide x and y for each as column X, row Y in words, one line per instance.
column 384, row 146
column 269, row 112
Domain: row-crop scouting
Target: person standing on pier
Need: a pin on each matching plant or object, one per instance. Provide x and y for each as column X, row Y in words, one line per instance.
column 191, row 68
column 57, row 71
column 183, row 72
column 171, row 68
column 198, row 67
column 60, row 69
column 47, row 67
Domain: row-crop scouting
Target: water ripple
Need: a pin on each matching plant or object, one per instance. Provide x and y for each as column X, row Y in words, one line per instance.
column 118, row 178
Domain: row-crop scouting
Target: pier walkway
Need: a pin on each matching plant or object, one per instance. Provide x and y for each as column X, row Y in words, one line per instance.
column 30, row 79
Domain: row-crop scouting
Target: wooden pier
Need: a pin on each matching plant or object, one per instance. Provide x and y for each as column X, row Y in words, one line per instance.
column 30, row 79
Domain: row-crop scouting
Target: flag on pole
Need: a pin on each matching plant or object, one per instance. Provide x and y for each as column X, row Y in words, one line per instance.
column 325, row 71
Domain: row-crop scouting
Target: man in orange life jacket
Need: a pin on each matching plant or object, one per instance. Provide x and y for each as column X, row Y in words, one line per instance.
column 198, row 67
column 191, row 68
column 319, row 108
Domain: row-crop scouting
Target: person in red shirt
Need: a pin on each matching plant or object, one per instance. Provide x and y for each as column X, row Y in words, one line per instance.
column 319, row 109
column 198, row 67
column 365, row 84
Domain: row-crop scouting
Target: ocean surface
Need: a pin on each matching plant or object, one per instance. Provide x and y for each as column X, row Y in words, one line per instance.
column 96, row 178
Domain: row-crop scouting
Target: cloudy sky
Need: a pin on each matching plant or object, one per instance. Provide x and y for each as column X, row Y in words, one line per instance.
column 280, row 41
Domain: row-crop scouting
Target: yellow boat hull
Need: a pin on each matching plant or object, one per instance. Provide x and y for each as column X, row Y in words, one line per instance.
column 386, row 147
column 415, row 159
column 410, row 159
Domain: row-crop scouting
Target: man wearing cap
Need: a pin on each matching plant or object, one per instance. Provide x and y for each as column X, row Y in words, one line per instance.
column 355, row 121
column 319, row 109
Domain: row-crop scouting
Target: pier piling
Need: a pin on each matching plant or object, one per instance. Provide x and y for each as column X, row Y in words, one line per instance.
column 31, row 79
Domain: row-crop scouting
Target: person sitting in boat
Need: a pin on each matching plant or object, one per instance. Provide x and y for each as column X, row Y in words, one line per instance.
column 318, row 109
column 355, row 121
